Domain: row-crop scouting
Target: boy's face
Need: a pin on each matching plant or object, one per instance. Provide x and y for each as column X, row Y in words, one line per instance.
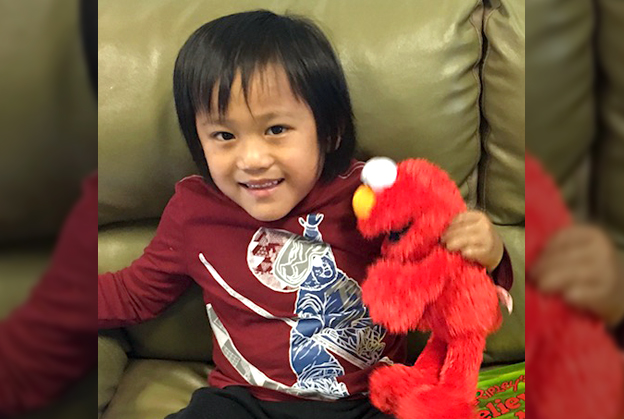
column 264, row 155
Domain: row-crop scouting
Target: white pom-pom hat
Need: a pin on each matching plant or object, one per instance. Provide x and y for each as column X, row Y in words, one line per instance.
column 379, row 173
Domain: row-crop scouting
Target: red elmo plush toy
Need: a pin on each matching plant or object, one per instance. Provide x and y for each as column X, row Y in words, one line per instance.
column 574, row 367
column 418, row 284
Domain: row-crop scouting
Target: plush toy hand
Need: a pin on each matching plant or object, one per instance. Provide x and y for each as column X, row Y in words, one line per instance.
column 473, row 235
column 580, row 263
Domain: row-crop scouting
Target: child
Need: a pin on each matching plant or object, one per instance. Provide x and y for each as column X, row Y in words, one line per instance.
column 267, row 230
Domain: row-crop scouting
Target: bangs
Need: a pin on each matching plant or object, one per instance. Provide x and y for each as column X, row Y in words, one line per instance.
column 248, row 51
column 214, row 99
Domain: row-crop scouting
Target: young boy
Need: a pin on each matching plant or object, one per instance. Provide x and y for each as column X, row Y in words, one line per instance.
column 267, row 230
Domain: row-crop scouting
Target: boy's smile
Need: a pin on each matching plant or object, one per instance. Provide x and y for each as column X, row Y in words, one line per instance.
column 263, row 187
column 264, row 153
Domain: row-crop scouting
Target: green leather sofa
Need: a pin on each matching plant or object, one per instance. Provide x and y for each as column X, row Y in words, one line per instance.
column 575, row 111
column 441, row 80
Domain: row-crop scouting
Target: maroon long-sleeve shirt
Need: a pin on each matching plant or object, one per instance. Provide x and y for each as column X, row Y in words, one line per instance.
column 50, row 341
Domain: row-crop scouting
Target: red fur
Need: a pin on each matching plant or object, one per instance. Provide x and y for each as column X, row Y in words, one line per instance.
column 418, row 284
column 574, row 367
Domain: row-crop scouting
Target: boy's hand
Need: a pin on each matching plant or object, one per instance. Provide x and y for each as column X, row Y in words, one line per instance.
column 581, row 264
column 473, row 235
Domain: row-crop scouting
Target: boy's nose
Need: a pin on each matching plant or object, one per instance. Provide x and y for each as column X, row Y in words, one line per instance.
column 255, row 155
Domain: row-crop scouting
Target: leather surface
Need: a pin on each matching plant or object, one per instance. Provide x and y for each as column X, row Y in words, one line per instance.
column 48, row 117
column 610, row 161
column 503, row 107
column 154, row 388
column 560, row 97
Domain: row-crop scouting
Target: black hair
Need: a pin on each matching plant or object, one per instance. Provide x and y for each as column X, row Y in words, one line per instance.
column 245, row 43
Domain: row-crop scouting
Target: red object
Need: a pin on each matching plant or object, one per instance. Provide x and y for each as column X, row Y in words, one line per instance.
column 574, row 366
column 49, row 342
column 418, row 284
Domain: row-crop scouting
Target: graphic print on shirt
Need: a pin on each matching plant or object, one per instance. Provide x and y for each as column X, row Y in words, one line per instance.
column 329, row 317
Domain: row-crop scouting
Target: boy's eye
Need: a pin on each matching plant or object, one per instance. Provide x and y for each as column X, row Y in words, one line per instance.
column 222, row 135
column 277, row 129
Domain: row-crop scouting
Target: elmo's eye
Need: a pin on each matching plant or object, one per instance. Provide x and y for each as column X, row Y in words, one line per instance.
column 379, row 173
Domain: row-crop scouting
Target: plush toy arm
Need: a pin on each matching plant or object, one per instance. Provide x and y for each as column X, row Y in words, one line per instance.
column 397, row 294
column 428, row 230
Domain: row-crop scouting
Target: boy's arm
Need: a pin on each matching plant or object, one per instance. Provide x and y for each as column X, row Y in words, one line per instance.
column 152, row 282
column 49, row 342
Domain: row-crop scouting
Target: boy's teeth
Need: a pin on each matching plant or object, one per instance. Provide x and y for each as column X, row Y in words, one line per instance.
column 262, row 185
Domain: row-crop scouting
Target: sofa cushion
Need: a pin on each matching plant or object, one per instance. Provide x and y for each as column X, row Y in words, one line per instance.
column 610, row 160
column 412, row 72
column 502, row 164
column 560, row 100
column 48, row 117
column 19, row 272
column 152, row 389
column 112, row 360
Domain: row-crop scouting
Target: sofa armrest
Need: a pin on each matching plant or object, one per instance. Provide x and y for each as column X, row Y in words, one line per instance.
column 112, row 360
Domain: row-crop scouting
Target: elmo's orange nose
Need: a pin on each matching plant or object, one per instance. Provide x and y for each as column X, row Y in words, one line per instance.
column 363, row 202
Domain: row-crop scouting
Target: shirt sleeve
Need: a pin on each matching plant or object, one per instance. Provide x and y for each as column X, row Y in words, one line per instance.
column 618, row 334
column 503, row 274
column 49, row 342
column 152, row 282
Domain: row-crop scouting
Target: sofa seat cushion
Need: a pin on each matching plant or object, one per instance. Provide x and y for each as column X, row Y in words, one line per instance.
column 20, row 271
column 152, row 389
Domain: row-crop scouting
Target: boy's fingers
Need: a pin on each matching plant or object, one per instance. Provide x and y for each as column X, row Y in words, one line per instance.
column 586, row 262
column 584, row 296
column 561, row 241
column 560, row 280
column 560, row 250
column 576, row 236
column 559, row 259
column 473, row 252
column 576, row 296
column 458, row 242
column 544, row 268
column 594, row 301
column 553, row 283
column 456, row 232
column 467, row 218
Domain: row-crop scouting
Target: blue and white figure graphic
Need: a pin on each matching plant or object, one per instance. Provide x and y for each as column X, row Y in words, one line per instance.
column 329, row 323
column 331, row 318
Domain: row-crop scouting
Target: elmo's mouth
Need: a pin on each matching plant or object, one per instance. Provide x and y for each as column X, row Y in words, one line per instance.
column 395, row 236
